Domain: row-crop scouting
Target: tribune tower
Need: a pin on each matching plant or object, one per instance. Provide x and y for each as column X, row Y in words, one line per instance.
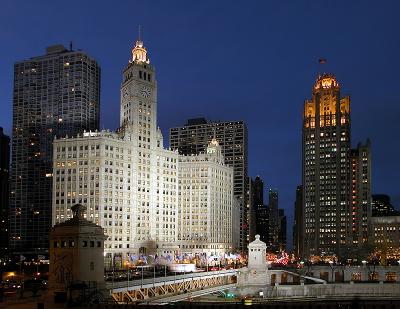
column 326, row 169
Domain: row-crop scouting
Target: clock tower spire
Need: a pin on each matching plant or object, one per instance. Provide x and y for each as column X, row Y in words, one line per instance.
column 139, row 52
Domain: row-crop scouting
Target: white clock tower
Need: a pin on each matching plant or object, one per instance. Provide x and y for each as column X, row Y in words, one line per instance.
column 154, row 210
column 139, row 98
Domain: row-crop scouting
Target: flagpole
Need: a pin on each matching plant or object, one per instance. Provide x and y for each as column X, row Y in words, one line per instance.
column 142, row 277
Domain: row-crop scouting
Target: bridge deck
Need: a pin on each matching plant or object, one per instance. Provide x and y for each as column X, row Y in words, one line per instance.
column 160, row 281
column 189, row 296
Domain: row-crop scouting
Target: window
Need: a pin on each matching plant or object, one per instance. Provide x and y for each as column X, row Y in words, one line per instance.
column 84, row 243
column 391, row 277
column 356, row 277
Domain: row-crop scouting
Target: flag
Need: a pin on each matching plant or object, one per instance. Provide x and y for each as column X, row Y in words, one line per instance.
column 22, row 258
column 322, row 60
column 133, row 258
column 143, row 258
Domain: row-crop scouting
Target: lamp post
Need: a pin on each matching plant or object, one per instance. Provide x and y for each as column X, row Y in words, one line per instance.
column 128, row 277
column 142, row 277
column 154, row 275
column 364, row 263
column 331, row 266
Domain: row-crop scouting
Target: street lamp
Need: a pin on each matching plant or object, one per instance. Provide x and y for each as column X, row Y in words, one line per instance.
column 364, row 262
column 331, row 266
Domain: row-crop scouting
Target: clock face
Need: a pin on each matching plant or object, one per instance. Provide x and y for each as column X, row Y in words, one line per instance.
column 145, row 92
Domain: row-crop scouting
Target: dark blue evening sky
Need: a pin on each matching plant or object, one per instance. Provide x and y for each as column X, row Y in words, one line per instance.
column 233, row 60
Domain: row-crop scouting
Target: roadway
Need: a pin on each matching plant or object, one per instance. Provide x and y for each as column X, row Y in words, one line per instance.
column 157, row 281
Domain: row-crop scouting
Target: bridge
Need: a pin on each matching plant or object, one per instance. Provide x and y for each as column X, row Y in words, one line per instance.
column 175, row 288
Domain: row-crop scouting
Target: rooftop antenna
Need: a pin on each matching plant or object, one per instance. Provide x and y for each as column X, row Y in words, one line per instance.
column 140, row 34
column 70, row 46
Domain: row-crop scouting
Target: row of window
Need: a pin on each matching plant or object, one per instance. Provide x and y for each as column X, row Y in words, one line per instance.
column 71, row 244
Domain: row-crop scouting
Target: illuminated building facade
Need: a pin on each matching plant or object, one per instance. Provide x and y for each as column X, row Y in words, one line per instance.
column 193, row 138
column 386, row 233
column 336, row 180
column 381, row 206
column 207, row 212
column 57, row 94
column 361, row 200
column 4, row 185
column 129, row 183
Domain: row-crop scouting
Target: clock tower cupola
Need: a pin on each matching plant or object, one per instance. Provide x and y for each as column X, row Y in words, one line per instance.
column 139, row 52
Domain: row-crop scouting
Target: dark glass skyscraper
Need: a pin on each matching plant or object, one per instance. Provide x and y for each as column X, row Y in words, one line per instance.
column 273, row 200
column 298, row 223
column 57, row 94
column 262, row 213
column 282, row 236
column 4, row 176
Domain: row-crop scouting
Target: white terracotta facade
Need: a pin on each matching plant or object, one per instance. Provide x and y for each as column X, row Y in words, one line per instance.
column 130, row 183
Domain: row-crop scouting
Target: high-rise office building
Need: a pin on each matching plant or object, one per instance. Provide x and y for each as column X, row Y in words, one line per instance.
column 382, row 206
column 332, row 216
column 361, row 200
column 385, row 235
column 260, row 209
column 56, row 94
column 251, row 208
column 262, row 223
column 298, row 223
column 258, row 191
column 207, row 209
column 4, row 186
column 273, row 208
column 282, row 235
column 193, row 138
